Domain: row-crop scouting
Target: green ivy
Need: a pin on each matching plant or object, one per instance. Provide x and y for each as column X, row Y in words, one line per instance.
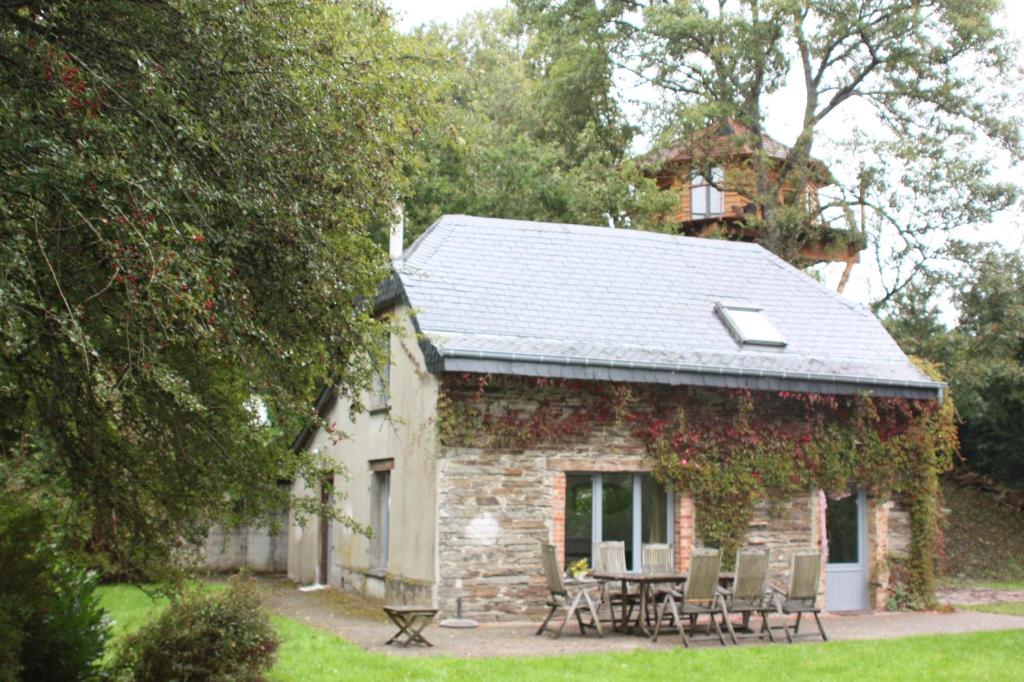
column 729, row 448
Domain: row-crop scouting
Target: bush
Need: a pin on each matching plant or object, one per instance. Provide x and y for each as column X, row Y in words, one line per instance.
column 51, row 623
column 208, row 637
column 66, row 639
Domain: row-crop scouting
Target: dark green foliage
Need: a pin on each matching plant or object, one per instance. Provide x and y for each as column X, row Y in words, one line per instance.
column 983, row 355
column 67, row 641
column 989, row 370
column 221, row 636
column 186, row 202
column 51, row 624
column 528, row 128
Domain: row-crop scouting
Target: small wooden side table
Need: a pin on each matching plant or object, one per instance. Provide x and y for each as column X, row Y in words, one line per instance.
column 410, row 621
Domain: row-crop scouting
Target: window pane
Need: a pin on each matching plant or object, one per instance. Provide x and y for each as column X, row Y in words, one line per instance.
column 753, row 326
column 380, row 521
column 699, row 198
column 654, row 511
column 716, row 197
column 716, row 201
column 617, row 511
column 841, row 526
column 578, row 507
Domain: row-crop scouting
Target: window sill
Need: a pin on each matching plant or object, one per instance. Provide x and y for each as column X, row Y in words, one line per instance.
column 380, row 409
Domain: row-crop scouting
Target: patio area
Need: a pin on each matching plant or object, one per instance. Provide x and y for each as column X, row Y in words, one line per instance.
column 364, row 624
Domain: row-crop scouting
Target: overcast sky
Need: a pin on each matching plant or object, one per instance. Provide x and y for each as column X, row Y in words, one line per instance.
column 783, row 115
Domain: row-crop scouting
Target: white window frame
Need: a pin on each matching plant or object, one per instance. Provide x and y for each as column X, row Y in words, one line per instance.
column 774, row 338
column 710, row 193
column 597, row 517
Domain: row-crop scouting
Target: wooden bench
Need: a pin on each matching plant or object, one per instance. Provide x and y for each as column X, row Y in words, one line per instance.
column 410, row 621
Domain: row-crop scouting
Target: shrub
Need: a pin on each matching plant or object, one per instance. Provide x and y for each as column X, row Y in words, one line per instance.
column 51, row 624
column 208, row 637
column 67, row 638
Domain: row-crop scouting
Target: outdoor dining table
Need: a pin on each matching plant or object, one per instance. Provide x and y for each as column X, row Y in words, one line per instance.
column 645, row 583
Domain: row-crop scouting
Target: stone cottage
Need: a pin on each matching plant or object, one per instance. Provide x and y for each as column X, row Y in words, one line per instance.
column 520, row 318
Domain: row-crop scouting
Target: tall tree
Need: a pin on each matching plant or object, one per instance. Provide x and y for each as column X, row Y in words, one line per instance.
column 529, row 128
column 186, row 196
column 936, row 81
column 989, row 372
column 982, row 355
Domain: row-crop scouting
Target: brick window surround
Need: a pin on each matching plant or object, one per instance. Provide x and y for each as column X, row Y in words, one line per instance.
column 682, row 521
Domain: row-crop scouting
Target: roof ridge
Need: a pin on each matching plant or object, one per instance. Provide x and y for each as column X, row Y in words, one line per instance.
column 626, row 232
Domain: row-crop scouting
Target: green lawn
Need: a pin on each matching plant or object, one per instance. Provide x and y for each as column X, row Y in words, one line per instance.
column 1009, row 608
column 992, row 585
column 311, row 655
column 129, row 607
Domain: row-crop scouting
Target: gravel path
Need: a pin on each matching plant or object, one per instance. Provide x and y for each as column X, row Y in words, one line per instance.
column 362, row 623
column 956, row 596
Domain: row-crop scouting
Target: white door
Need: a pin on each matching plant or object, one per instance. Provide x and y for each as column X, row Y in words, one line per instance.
column 846, row 573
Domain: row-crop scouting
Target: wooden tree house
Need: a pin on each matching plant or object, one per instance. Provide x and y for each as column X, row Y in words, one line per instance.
column 715, row 175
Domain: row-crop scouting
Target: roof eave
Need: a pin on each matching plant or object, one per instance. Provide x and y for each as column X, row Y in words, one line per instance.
column 450, row 360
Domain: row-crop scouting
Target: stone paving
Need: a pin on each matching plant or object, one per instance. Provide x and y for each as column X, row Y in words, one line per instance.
column 363, row 624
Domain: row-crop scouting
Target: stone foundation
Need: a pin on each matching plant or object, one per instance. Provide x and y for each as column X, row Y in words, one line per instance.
column 386, row 588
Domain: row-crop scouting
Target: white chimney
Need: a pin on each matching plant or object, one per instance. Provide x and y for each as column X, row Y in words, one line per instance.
column 397, row 235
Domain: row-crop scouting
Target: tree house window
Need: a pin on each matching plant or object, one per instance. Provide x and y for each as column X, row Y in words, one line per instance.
column 706, row 197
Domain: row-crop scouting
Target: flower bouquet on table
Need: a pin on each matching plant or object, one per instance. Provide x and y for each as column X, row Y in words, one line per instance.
column 579, row 569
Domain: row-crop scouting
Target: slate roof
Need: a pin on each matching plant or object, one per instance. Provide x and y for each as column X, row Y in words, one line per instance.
column 720, row 143
column 544, row 299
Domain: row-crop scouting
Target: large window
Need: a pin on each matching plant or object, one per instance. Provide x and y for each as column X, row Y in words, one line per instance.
column 633, row 508
column 706, row 197
column 380, row 512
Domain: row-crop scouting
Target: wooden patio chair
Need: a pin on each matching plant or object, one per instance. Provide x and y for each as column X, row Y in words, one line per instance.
column 749, row 593
column 657, row 558
column 610, row 557
column 700, row 596
column 802, row 595
column 572, row 596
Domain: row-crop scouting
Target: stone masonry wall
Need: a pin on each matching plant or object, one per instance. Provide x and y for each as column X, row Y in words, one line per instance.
column 899, row 529
column 497, row 505
column 785, row 527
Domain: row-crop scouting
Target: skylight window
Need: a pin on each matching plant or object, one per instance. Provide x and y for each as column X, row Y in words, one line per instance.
column 749, row 325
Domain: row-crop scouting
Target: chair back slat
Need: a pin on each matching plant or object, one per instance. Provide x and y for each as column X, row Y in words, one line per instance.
column 702, row 578
column 610, row 557
column 805, row 576
column 657, row 559
column 552, row 571
column 751, row 574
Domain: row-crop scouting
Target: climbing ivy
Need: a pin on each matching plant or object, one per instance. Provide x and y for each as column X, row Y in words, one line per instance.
column 728, row 448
